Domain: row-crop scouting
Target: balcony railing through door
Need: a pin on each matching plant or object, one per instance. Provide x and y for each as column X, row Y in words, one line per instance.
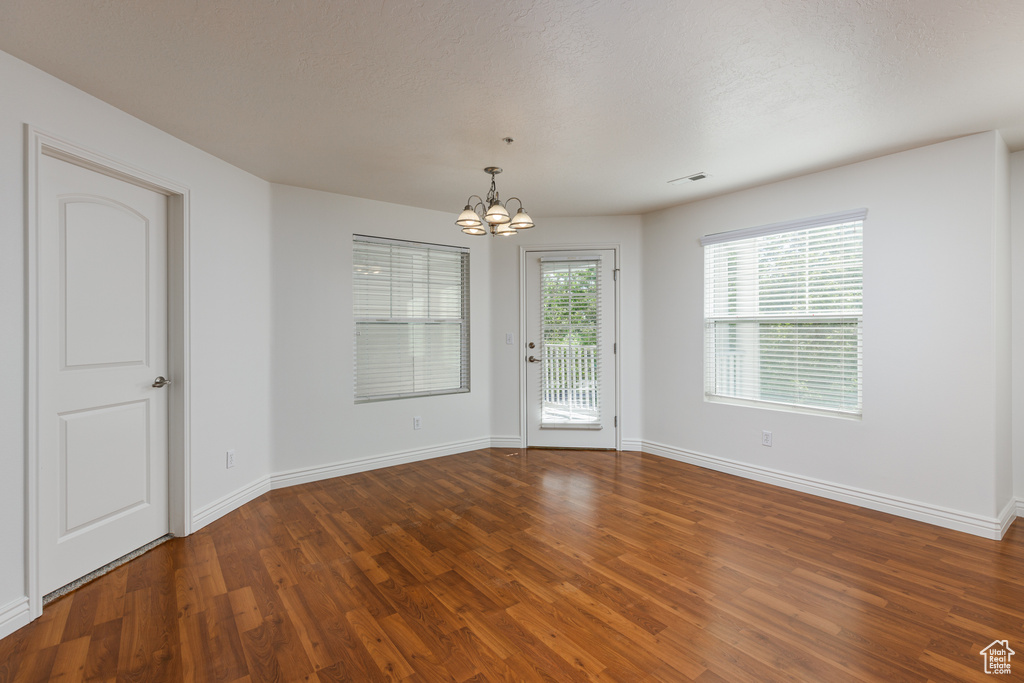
column 570, row 383
column 570, row 329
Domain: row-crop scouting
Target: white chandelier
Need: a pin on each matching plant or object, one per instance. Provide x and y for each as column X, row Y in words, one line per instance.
column 493, row 212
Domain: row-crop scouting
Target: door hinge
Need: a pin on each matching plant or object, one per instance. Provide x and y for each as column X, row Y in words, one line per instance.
column 616, row 420
column 615, row 347
column 615, row 274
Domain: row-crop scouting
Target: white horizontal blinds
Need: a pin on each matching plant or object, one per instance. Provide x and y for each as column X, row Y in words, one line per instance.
column 570, row 325
column 783, row 316
column 411, row 309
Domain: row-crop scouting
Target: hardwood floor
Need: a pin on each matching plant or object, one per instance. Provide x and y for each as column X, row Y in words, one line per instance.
column 504, row 565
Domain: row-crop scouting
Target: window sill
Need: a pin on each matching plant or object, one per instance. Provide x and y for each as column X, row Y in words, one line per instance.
column 419, row 394
column 571, row 425
column 783, row 407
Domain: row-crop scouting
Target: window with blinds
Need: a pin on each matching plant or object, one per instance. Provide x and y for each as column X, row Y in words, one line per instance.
column 783, row 313
column 411, row 309
column 570, row 308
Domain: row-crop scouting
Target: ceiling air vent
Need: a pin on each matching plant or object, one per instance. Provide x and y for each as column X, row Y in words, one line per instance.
column 687, row 179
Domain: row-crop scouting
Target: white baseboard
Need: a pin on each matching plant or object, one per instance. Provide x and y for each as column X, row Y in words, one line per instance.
column 1007, row 516
column 987, row 527
column 232, row 501
column 979, row 525
column 514, row 441
column 517, row 442
column 14, row 615
column 304, row 475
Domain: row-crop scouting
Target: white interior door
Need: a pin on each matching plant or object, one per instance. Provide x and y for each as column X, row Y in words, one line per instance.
column 102, row 317
column 570, row 349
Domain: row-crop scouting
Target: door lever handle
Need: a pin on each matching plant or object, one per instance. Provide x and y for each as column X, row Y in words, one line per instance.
column 161, row 381
column 533, row 359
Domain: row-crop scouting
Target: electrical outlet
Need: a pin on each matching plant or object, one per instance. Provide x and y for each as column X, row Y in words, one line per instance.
column 510, row 338
column 766, row 438
column 417, row 422
column 231, row 459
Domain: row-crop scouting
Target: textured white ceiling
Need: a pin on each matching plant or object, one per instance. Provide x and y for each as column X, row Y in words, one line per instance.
column 406, row 100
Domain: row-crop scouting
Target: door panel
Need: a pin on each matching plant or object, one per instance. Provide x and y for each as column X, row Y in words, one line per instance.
column 570, row 369
column 106, row 317
column 100, row 446
column 102, row 315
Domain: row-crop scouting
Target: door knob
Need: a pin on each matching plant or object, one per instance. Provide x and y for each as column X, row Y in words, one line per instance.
column 533, row 360
column 532, row 345
column 161, row 381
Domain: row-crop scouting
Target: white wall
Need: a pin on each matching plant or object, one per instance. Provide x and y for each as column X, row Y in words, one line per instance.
column 1017, row 335
column 230, row 280
column 1002, row 353
column 932, row 319
column 505, row 268
column 316, row 422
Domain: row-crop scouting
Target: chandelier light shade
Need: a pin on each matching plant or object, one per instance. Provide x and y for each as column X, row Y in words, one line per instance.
column 522, row 220
column 497, row 214
column 493, row 212
column 469, row 219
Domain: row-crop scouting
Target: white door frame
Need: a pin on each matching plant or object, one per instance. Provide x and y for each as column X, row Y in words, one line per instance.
column 38, row 144
column 524, row 251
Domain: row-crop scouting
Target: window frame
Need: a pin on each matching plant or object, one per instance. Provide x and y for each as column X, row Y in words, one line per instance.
column 411, row 246
column 753, row 395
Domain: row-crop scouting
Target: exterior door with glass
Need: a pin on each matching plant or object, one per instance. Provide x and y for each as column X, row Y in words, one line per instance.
column 570, row 349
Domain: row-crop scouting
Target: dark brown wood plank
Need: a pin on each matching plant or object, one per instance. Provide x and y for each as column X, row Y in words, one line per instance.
column 543, row 566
